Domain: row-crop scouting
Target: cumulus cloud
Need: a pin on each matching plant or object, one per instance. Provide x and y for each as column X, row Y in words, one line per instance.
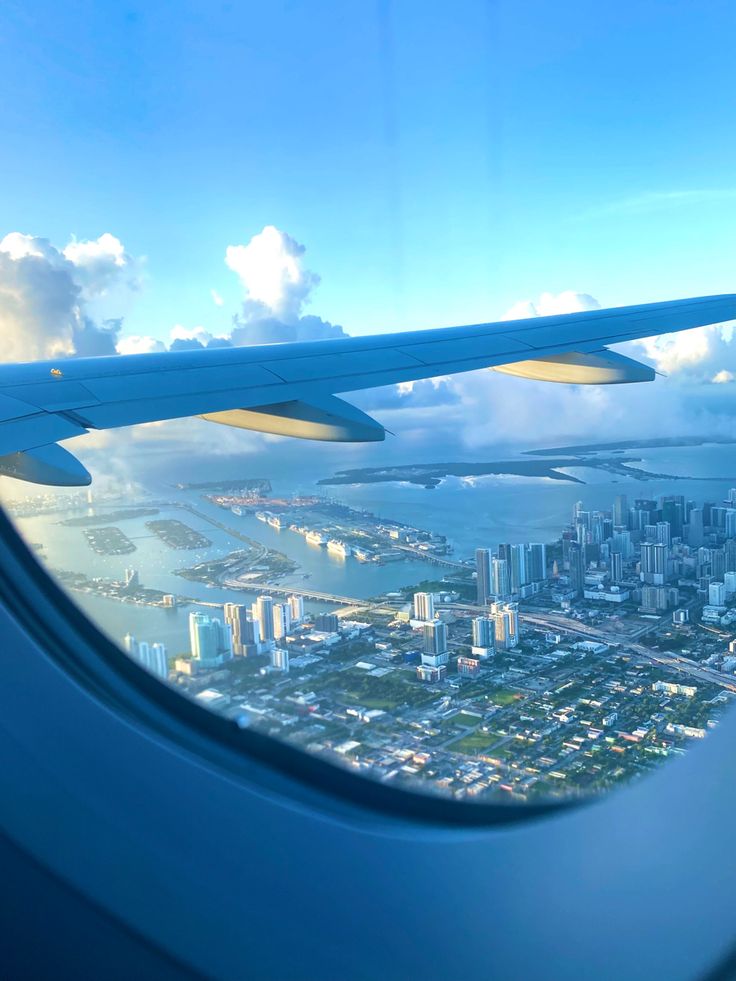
column 551, row 304
column 44, row 293
column 135, row 344
column 272, row 272
column 101, row 264
column 722, row 377
column 189, row 339
column 216, row 298
column 694, row 356
column 277, row 286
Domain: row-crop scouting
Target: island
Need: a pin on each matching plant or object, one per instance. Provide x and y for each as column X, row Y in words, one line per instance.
column 176, row 534
column 109, row 541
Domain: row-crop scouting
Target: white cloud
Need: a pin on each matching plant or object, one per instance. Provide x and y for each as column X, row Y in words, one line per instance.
column 694, row 355
column 199, row 334
column 136, row 344
column 44, row 294
column 216, row 298
column 100, row 263
column 723, row 377
column 271, row 270
column 551, row 304
column 277, row 285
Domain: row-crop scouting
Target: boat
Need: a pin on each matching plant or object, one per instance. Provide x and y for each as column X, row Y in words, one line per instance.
column 315, row 538
column 336, row 547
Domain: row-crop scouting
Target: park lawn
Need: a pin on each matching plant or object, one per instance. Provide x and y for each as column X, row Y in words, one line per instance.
column 474, row 743
column 505, row 696
column 387, row 692
column 465, row 719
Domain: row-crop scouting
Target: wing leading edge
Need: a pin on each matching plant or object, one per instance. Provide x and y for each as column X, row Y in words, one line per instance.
column 290, row 388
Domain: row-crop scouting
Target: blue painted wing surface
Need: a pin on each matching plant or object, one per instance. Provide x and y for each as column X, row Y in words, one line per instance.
column 291, row 388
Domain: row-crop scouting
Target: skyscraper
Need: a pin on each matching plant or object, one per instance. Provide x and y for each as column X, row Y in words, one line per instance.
column 663, row 533
column 621, row 511
column 695, row 528
column 617, row 567
column 518, row 573
column 673, row 510
column 241, row 627
column 280, row 659
column 717, row 594
column 151, row 656
column 505, row 617
column 536, row 562
column 327, row 622
column 210, row 640
column 435, row 644
column 281, row 620
column 654, row 557
column 577, row 568
column 296, row 606
column 483, row 635
column 621, row 542
column 717, row 563
column 483, row 569
column 423, row 606
column 500, row 586
column 263, row 613
column 729, row 550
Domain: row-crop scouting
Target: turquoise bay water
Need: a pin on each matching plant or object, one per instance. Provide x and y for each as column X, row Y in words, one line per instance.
column 471, row 512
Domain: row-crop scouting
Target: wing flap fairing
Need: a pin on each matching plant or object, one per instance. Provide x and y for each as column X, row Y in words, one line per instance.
column 578, row 368
column 328, row 419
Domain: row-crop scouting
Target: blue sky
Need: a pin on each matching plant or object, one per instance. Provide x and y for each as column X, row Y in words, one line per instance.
column 440, row 162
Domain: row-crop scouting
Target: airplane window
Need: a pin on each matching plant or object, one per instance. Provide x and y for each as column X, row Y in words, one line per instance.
column 516, row 591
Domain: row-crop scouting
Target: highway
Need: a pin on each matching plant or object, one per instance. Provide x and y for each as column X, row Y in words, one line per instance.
column 677, row 661
column 554, row 623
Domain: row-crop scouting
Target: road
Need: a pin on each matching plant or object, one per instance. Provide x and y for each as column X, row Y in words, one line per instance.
column 677, row 661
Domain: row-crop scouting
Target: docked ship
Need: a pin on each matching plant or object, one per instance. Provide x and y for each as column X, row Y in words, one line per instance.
column 315, row 538
column 336, row 547
column 262, row 516
column 236, row 509
column 274, row 520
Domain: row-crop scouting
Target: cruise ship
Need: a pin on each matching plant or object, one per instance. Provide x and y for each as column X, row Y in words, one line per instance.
column 336, row 547
column 236, row 509
column 262, row 516
column 315, row 538
column 274, row 520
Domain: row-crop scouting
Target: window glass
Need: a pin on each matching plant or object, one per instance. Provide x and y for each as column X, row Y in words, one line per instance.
column 528, row 589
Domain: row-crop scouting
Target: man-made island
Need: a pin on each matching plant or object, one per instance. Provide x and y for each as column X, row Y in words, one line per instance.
column 109, row 541
column 176, row 534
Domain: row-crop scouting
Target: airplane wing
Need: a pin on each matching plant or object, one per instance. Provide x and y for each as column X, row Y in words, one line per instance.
column 290, row 389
